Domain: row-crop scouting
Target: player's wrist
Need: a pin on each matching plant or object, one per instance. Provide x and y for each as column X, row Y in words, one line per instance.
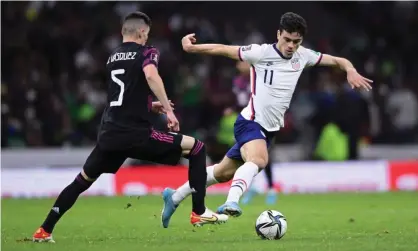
column 351, row 69
column 189, row 47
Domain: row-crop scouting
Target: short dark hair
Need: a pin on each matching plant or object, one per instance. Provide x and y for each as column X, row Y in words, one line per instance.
column 139, row 15
column 135, row 21
column 292, row 22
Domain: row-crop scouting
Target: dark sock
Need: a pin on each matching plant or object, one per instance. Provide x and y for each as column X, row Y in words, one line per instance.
column 197, row 176
column 65, row 201
column 269, row 175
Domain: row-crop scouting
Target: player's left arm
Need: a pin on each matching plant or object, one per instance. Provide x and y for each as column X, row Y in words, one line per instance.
column 353, row 77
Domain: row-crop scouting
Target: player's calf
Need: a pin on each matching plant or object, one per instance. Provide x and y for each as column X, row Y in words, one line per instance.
column 218, row 173
column 198, row 176
column 64, row 202
column 224, row 171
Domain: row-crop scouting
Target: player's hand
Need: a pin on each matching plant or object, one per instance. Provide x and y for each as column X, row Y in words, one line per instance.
column 173, row 123
column 358, row 81
column 157, row 107
column 188, row 41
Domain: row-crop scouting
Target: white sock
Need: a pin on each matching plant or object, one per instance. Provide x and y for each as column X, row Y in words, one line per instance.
column 242, row 181
column 184, row 191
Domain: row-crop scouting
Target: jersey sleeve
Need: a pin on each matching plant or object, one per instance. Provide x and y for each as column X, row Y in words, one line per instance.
column 151, row 56
column 312, row 57
column 251, row 53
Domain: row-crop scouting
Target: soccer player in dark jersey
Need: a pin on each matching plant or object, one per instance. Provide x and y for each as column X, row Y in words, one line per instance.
column 125, row 130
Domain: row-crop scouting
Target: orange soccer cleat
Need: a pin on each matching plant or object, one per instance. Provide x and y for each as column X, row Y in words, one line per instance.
column 208, row 217
column 42, row 236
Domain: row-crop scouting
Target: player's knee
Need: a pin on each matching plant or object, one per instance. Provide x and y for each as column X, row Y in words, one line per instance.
column 255, row 151
column 187, row 144
column 83, row 182
column 198, row 149
column 260, row 161
column 89, row 175
column 223, row 175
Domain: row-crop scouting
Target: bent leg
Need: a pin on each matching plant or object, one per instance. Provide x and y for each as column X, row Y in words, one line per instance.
column 256, row 157
column 254, row 153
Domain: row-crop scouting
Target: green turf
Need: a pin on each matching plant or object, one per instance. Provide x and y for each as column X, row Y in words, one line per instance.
column 337, row 222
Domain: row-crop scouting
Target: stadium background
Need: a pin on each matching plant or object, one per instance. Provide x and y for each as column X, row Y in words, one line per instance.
column 53, row 92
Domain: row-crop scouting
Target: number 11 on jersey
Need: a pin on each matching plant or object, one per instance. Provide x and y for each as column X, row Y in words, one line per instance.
column 271, row 77
column 120, row 83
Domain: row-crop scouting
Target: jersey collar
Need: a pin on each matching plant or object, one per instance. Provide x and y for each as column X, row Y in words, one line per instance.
column 280, row 54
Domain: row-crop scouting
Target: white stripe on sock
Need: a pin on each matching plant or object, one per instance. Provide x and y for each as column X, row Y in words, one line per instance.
column 242, row 181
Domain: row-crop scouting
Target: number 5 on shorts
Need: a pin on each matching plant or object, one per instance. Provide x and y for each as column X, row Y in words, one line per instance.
column 120, row 83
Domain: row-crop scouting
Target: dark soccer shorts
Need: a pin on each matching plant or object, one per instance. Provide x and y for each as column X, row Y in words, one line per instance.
column 160, row 147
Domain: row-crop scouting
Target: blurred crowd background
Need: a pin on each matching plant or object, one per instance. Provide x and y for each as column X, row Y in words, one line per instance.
column 53, row 86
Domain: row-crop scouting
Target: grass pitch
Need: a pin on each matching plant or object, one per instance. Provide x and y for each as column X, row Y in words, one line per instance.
column 340, row 222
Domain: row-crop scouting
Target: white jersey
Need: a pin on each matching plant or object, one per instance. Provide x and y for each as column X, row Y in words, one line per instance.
column 273, row 81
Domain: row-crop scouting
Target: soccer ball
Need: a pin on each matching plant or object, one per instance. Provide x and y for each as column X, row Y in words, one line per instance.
column 271, row 225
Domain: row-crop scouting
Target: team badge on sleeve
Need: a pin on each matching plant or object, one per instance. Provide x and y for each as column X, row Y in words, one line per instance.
column 246, row 48
column 154, row 57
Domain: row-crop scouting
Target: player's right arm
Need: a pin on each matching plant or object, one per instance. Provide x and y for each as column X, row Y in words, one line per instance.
column 251, row 53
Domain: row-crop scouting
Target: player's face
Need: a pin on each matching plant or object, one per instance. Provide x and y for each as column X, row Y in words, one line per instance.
column 288, row 42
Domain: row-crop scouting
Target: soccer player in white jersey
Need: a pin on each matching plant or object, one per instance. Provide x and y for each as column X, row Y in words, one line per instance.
column 275, row 70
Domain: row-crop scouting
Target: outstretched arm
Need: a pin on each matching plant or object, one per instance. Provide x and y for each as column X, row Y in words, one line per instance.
column 354, row 78
column 209, row 49
column 342, row 63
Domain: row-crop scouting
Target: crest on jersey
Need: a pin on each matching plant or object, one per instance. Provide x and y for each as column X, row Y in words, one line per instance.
column 295, row 63
column 154, row 57
column 246, row 48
